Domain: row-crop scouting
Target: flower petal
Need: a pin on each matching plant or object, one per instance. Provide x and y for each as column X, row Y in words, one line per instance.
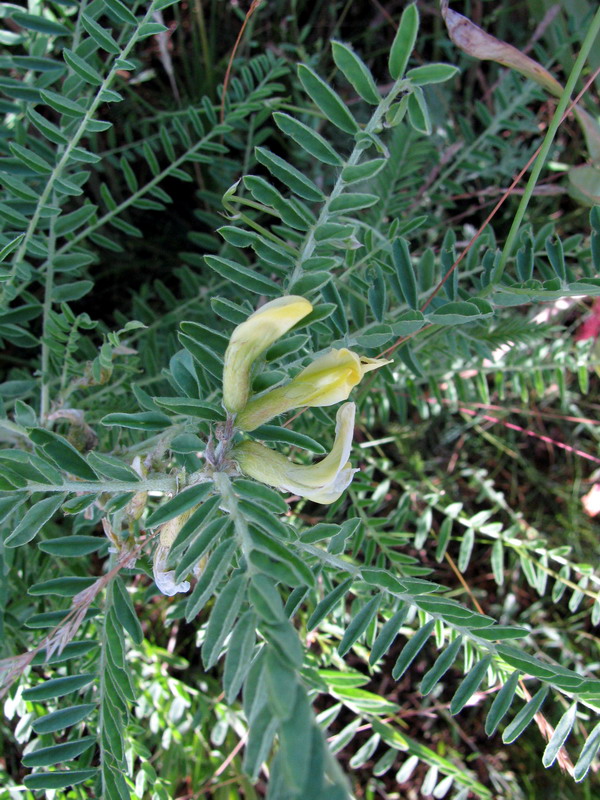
column 328, row 380
column 322, row 483
column 164, row 579
column 251, row 338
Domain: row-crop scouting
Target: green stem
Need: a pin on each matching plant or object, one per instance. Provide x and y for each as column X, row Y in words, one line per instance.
column 546, row 144
column 165, row 485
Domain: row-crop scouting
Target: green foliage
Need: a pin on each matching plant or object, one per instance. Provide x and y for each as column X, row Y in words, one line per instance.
column 115, row 442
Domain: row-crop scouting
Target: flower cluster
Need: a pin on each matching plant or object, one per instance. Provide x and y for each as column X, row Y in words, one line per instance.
column 329, row 379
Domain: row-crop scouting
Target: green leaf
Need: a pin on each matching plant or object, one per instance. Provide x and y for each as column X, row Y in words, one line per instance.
column 35, row 518
column 81, row 67
column 150, row 29
column 10, row 247
column 291, row 177
column 121, row 11
column 112, row 467
column 63, row 718
column 100, row 35
column 404, row 41
column 405, row 272
column 327, row 604
column 558, row 738
column 273, row 433
column 588, row 753
column 62, row 104
column 212, row 574
column 327, row 100
column 454, row 313
column 68, row 586
column 281, row 685
column 355, row 173
column 75, row 649
column 242, row 276
column 125, row 611
column 524, row 717
column 58, row 753
column 319, row 532
column 57, row 687
column 36, row 22
column 441, row 666
column 348, row 202
column 59, row 779
column 525, row 662
column 310, row 141
column 238, row 656
column 176, row 506
column 358, row 625
column 222, row 619
column 261, row 494
column 501, row 703
column 193, row 529
column 68, row 292
column 431, row 73
column 140, row 421
column 191, row 408
column 262, row 191
column 356, row 72
column 466, row 548
column 418, row 113
column 469, row 685
column 63, row 454
column 412, row 649
column 30, row 159
column 387, row 634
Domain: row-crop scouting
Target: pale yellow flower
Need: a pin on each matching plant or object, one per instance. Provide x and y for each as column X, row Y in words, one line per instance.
column 328, row 380
column 322, row 483
column 253, row 337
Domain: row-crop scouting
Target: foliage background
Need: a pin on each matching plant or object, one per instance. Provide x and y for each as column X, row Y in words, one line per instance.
column 458, row 451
